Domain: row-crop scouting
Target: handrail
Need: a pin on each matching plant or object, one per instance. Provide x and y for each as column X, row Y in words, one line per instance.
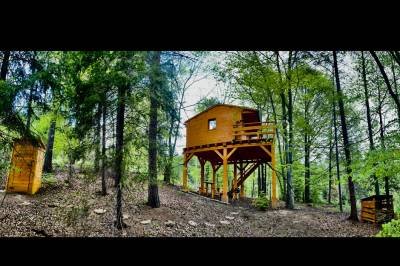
column 243, row 132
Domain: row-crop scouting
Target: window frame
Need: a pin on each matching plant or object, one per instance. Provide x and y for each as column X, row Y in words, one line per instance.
column 208, row 124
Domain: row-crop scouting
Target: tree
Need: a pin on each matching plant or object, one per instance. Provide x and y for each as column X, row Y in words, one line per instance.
column 155, row 85
column 353, row 211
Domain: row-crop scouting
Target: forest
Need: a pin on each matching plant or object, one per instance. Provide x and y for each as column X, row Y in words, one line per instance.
column 111, row 127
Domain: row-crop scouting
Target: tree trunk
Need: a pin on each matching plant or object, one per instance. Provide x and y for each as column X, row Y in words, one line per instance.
column 290, row 192
column 48, row 159
column 153, row 198
column 387, row 82
column 370, row 134
column 307, row 198
column 97, row 139
column 353, row 212
column 330, row 165
column 119, row 153
column 382, row 138
column 4, row 65
column 283, row 186
column 337, row 154
column 103, row 153
column 29, row 113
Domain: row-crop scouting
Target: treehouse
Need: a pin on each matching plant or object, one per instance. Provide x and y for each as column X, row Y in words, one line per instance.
column 229, row 135
column 26, row 166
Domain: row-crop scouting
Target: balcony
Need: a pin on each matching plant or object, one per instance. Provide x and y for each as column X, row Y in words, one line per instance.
column 262, row 131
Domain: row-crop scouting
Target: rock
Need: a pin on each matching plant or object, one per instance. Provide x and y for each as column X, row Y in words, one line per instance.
column 52, row 205
column 125, row 216
column 99, row 211
column 145, row 222
column 209, row 224
column 229, row 217
column 234, row 213
column 224, row 222
column 25, row 203
column 192, row 223
column 169, row 223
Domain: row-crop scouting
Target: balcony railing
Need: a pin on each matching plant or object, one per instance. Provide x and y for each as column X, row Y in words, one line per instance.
column 255, row 130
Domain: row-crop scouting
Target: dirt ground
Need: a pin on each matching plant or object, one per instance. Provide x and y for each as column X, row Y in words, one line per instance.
column 79, row 211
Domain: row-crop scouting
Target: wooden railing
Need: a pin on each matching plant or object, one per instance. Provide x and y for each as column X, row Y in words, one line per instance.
column 255, row 130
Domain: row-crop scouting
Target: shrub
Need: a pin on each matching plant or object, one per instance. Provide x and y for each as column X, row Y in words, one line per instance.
column 391, row 229
column 261, row 203
column 49, row 179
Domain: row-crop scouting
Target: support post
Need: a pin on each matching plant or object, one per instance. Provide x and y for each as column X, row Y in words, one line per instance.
column 184, row 176
column 273, row 185
column 202, row 189
column 214, row 171
column 225, row 177
column 234, row 180
column 242, row 169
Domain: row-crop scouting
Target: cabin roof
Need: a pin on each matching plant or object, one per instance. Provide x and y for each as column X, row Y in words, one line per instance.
column 222, row 104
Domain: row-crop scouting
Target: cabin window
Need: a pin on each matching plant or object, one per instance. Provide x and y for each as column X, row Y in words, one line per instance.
column 212, row 124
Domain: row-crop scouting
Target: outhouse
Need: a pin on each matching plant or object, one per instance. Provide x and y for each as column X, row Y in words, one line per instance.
column 26, row 166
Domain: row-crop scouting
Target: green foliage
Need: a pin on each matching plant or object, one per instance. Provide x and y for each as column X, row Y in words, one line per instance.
column 391, row 229
column 262, row 202
column 48, row 179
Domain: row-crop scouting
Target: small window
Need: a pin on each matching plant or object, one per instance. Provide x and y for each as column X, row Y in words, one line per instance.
column 212, row 124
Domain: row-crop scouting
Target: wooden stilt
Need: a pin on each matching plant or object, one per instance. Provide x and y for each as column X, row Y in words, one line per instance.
column 241, row 194
column 234, row 180
column 225, row 177
column 214, row 172
column 202, row 189
column 184, row 176
column 273, row 184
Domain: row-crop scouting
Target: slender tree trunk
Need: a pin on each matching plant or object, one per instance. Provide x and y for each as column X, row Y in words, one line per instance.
column 353, row 212
column 330, row 165
column 153, row 198
column 4, row 65
column 103, row 153
column 290, row 192
column 48, row 159
column 120, row 153
column 283, row 186
column 29, row 113
column 97, row 139
column 382, row 137
column 337, row 155
column 370, row 134
column 387, row 82
column 307, row 198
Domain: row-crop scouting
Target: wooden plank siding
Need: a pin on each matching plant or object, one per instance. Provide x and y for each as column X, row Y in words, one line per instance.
column 26, row 168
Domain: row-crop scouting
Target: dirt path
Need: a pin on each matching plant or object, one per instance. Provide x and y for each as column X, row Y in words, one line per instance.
column 59, row 210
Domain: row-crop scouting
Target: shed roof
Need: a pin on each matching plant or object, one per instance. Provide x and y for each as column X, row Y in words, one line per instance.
column 222, row 104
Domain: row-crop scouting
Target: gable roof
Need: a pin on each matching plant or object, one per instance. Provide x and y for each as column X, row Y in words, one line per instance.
column 222, row 104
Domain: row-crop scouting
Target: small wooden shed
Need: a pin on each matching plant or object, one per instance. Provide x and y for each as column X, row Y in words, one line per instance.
column 377, row 209
column 26, row 166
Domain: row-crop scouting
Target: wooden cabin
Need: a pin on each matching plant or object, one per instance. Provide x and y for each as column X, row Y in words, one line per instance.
column 377, row 209
column 228, row 134
column 26, row 166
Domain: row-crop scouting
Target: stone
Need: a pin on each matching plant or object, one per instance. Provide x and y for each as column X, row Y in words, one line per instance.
column 229, row 217
column 209, row 224
column 145, row 222
column 25, row 203
column 125, row 216
column 234, row 213
column 169, row 223
column 99, row 211
column 192, row 223
column 224, row 222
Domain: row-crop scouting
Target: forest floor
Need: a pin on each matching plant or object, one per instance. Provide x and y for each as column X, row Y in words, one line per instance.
column 59, row 210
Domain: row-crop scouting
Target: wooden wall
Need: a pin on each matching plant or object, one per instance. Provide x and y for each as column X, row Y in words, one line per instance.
column 197, row 132
column 26, row 168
